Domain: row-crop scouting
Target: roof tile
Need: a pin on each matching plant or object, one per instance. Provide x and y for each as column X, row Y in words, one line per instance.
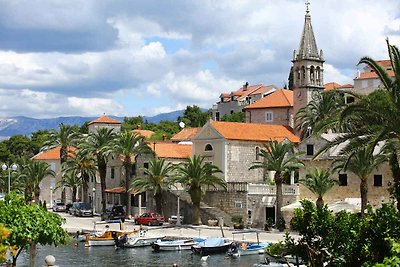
column 279, row 98
column 105, row 119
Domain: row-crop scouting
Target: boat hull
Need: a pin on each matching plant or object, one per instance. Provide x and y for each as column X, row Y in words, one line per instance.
column 140, row 242
column 176, row 245
column 202, row 250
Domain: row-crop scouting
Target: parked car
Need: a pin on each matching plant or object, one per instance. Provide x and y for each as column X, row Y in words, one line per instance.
column 73, row 208
column 84, row 209
column 150, row 218
column 59, row 206
column 116, row 212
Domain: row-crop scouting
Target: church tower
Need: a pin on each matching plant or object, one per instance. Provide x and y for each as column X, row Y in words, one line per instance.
column 308, row 67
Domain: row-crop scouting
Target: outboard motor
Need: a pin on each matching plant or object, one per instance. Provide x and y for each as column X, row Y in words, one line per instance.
column 233, row 250
column 121, row 241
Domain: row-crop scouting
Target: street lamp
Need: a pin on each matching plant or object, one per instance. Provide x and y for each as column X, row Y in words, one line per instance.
column 51, row 196
column 178, row 216
column 94, row 200
column 13, row 167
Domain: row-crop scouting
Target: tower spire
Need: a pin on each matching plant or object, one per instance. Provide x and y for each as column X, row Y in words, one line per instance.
column 307, row 4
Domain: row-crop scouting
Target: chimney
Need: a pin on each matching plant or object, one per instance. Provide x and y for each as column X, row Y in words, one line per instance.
column 245, row 86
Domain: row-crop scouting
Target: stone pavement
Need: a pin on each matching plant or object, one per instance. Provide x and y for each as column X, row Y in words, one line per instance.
column 86, row 224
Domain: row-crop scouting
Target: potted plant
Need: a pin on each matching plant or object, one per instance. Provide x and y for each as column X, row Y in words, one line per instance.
column 237, row 222
column 281, row 224
column 268, row 224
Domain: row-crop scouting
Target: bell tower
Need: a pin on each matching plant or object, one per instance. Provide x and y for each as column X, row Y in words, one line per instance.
column 308, row 67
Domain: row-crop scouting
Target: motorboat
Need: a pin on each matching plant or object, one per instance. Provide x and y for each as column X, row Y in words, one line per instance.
column 175, row 245
column 105, row 239
column 139, row 239
column 211, row 246
column 246, row 249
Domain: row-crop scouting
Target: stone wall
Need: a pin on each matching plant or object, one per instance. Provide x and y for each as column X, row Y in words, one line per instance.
column 281, row 116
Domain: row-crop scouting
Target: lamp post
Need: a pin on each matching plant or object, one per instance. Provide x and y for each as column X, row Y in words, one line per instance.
column 94, row 200
column 13, row 167
column 178, row 215
column 51, row 196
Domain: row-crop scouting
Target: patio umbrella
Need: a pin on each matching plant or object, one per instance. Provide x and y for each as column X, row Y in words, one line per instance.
column 293, row 206
column 344, row 205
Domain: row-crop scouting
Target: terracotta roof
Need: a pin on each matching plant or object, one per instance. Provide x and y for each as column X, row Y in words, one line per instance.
column 263, row 89
column 371, row 75
column 105, row 119
column 171, row 150
column 331, row 86
column 254, row 131
column 251, row 90
column 144, row 133
column 185, row 134
column 53, row 153
column 280, row 98
column 384, row 62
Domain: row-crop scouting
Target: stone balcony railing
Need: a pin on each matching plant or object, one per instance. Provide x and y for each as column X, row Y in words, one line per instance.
column 264, row 189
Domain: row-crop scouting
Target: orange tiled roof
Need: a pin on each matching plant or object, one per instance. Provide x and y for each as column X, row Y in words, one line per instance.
column 171, row 150
column 262, row 89
column 254, row 131
column 279, row 98
column 371, row 75
column 53, row 154
column 185, row 134
column 105, row 119
column 144, row 133
column 331, row 86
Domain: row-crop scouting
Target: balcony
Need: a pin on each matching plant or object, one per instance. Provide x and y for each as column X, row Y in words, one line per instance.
column 264, row 189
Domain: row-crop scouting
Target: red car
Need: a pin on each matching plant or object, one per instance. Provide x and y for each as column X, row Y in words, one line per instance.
column 150, row 218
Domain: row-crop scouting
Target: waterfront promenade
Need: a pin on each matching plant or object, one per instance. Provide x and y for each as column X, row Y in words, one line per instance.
column 86, row 224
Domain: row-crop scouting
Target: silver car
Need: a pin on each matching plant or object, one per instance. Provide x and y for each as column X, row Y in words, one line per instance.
column 59, row 206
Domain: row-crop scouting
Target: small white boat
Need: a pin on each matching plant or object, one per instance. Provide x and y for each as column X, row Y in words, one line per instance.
column 140, row 239
column 105, row 239
column 175, row 245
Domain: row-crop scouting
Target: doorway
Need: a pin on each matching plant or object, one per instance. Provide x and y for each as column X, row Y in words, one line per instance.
column 270, row 213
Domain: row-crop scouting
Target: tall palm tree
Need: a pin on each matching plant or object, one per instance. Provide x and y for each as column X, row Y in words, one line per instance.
column 376, row 117
column 156, row 179
column 320, row 114
column 128, row 145
column 196, row 175
column 95, row 145
column 32, row 173
column 280, row 158
column 362, row 163
column 64, row 138
column 319, row 182
column 84, row 167
column 70, row 179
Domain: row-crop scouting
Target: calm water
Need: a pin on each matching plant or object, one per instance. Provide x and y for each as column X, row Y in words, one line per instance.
column 107, row 256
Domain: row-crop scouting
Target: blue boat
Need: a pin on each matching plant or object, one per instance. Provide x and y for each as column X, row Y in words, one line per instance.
column 211, row 246
column 243, row 249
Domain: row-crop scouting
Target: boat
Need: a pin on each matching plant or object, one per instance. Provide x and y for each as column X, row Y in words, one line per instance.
column 105, row 239
column 211, row 246
column 175, row 245
column 140, row 239
column 247, row 249
column 244, row 249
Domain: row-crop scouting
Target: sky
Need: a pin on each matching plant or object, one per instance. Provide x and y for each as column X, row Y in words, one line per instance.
column 130, row 58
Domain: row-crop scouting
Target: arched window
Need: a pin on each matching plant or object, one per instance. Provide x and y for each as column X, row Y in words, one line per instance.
column 318, row 75
column 303, row 75
column 208, row 148
column 312, row 74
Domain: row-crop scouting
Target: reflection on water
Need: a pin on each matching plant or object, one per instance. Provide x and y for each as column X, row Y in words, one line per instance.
column 71, row 255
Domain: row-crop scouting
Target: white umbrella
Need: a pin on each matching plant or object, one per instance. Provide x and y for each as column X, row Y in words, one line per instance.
column 293, row 206
column 344, row 205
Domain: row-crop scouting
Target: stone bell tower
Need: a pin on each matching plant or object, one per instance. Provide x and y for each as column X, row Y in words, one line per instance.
column 308, row 67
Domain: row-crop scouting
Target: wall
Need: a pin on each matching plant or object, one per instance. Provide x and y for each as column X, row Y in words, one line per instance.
column 281, row 116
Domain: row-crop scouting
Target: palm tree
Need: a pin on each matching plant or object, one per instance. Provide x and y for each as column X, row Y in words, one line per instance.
column 320, row 114
column 32, row 173
column 376, row 117
column 362, row 163
column 156, row 180
column 318, row 181
column 84, row 167
column 278, row 157
column 195, row 175
column 70, row 179
column 128, row 144
column 95, row 145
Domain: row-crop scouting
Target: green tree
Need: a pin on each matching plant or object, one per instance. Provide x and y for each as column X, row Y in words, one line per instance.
column 32, row 173
column 131, row 123
column 362, row 163
column 319, row 182
column 234, row 117
column 70, row 179
column 29, row 225
column 156, row 180
column 280, row 158
column 128, row 145
column 95, row 145
column 394, row 259
column 19, row 146
column 194, row 117
column 196, row 175
column 4, row 233
column 38, row 140
column 64, row 138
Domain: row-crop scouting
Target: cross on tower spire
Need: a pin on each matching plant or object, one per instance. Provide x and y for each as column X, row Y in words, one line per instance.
column 307, row 4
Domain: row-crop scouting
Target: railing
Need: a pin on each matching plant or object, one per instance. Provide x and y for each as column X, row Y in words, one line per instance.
column 264, row 189
column 230, row 187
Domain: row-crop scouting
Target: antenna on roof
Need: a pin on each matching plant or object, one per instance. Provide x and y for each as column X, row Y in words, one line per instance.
column 182, row 124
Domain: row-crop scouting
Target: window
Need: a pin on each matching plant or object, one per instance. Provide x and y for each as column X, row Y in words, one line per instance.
column 378, row 180
column 208, row 148
column 222, row 100
column 238, row 204
column 268, row 116
column 112, row 173
column 217, row 116
column 232, row 112
column 350, row 99
column 310, row 149
column 342, row 179
column 146, row 166
column 232, row 98
column 257, row 153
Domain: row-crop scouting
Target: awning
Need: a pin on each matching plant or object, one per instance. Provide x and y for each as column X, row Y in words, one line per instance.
column 269, row 201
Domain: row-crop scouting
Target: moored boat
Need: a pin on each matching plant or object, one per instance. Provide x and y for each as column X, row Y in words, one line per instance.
column 244, row 249
column 105, row 239
column 175, row 245
column 211, row 246
column 140, row 239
